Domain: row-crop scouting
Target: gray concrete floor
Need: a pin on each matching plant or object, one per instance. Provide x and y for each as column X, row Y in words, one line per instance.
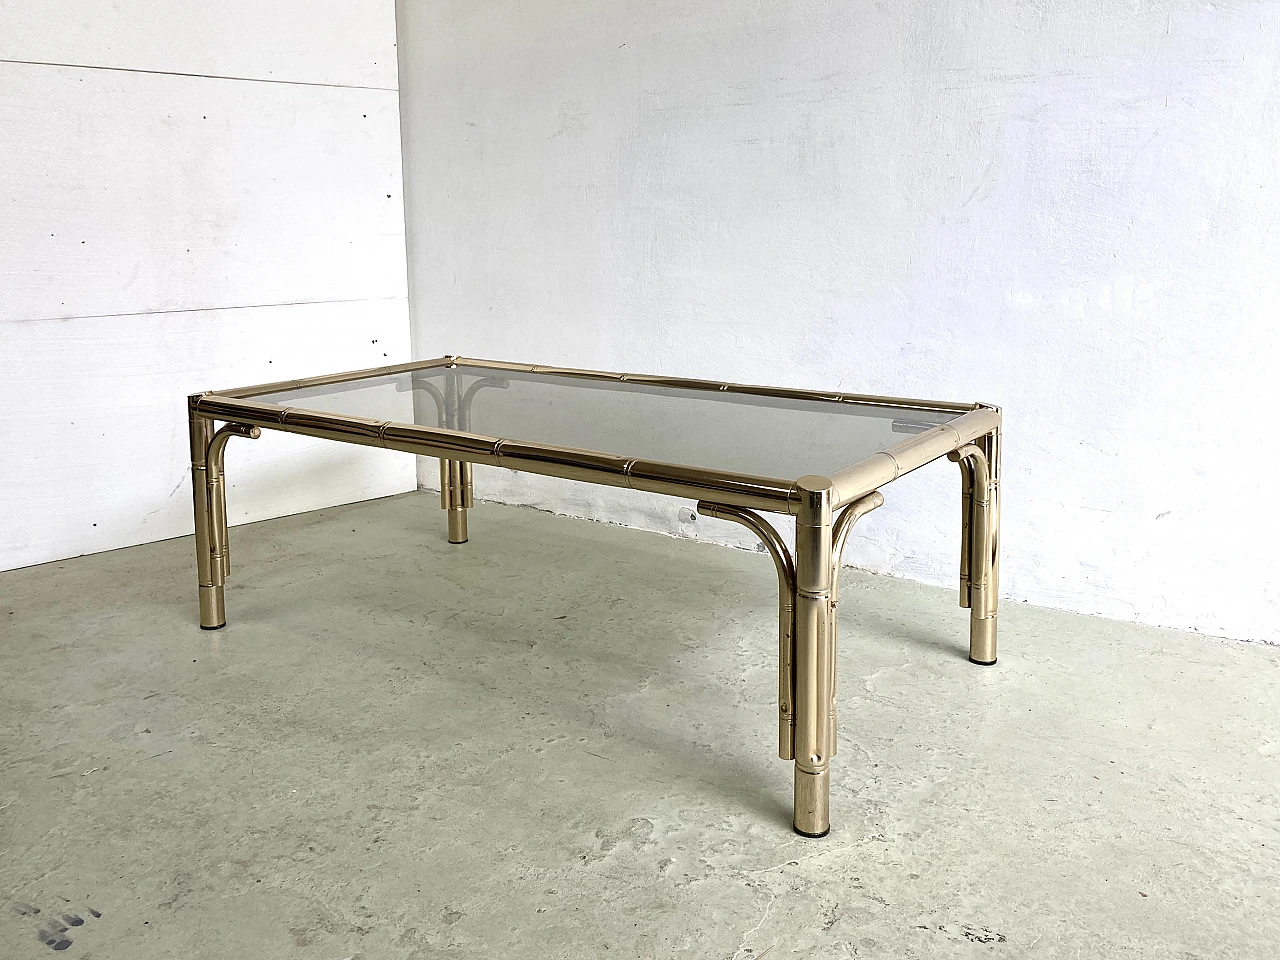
column 557, row 741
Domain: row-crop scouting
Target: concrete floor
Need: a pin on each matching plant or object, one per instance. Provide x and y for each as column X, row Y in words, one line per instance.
column 557, row 741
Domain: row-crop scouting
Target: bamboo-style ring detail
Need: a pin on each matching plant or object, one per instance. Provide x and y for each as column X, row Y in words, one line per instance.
column 978, row 550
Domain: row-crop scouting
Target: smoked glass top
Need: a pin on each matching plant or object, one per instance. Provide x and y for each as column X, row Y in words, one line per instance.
column 760, row 436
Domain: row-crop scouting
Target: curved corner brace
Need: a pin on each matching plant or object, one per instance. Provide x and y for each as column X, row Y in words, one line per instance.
column 840, row 531
column 975, row 499
column 966, row 518
column 464, row 401
column 469, row 394
column 979, row 549
column 437, row 397
column 786, row 612
column 218, row 540
column 453, row 412
column 218, row 444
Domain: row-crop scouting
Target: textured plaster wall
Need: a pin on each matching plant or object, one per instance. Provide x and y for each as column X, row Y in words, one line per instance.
column 1071, row 209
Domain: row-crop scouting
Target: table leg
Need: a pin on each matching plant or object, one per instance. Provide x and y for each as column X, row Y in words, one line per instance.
column 212, row 612
column 982, row 626
column 208, row 488
column 980, row 544
column 814, row 661
column 455, row 496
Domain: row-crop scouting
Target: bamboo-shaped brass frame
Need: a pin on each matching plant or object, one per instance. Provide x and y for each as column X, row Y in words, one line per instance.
column 825, row 510
column 213, row 548
column 453, row 412
column 980, row 542
column 810, row 706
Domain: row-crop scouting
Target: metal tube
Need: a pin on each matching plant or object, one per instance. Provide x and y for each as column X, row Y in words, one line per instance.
column 464, row 421
column 212, row 614
column 814, row 664
column 966, row 524
column 759, row 493
column 982, row 552
column 839, row 537
column 992, row 445
column 786, row 612
column 982, row 645
column 219, row 542
column 717, row 386
column 861, row 478
column 452, row 498
column 280, row 386
column 455, row 475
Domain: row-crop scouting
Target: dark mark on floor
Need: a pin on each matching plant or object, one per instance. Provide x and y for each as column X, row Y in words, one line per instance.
column 982, row 935
column 52, row 933
column 53, row 940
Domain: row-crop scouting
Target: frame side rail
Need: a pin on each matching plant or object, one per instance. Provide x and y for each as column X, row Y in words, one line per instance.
column 694, row 483
column 881, row 468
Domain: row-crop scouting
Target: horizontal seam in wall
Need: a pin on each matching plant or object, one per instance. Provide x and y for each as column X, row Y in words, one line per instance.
column 245, row 306
column 199, row 76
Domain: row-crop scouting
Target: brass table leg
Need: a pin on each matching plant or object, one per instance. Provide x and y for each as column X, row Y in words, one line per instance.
column 213, row 556
column 212, row 613
column 979, row 567
column 814, row 660
column 455, row 496
column 452, row 408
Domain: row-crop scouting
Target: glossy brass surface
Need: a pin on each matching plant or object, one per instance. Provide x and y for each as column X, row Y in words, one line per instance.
column 966, row 521
column 453, row 498
column 213, row 559
column 843, row 526
column 911, row 454
column 814, row 657
column 280, row 386
column 719, row 386
column 212, row 614
column 219, row 542
column 990, row 445
column 980, row 543
column 808, row 575
column 786, row 612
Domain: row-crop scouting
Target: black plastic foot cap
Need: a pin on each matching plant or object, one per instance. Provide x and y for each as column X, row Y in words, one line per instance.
column 811, row 836
column 983, row 663
column 218, row 627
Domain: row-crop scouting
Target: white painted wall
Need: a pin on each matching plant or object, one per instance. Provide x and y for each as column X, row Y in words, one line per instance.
column 1068, row 208
column 192, row 195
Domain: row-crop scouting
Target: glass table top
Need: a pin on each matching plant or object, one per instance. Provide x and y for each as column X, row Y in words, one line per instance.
column 745, row 433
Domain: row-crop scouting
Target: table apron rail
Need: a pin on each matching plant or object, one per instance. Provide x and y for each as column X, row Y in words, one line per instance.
column 759, row 493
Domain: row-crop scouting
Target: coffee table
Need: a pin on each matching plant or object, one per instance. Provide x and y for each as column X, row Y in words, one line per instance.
column 740, row 451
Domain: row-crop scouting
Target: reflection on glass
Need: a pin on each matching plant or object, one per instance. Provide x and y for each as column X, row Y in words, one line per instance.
column 742, row 433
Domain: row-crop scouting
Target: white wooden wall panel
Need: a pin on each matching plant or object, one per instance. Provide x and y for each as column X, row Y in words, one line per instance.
column 135, row 193
column 162, row 233
column 94, row 428
column 346, row 42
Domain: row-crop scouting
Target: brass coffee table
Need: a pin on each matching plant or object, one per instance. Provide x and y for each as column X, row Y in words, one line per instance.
column 817, row 456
